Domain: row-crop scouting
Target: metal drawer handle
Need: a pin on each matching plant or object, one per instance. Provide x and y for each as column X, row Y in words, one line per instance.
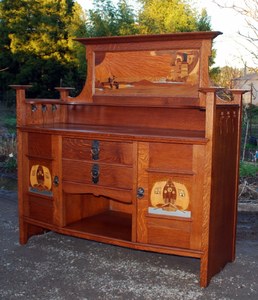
column 56, row 181
column 95, row 150
column 95, row 173
column 140, row 192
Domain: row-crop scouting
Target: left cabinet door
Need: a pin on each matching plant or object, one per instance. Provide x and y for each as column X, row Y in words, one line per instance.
column 41, row 184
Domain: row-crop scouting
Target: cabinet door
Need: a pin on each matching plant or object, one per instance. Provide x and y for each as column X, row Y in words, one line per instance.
column 43, row 195
column 170, row 213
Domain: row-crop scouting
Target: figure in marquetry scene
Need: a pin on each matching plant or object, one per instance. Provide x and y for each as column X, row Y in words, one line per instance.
column 112, row 82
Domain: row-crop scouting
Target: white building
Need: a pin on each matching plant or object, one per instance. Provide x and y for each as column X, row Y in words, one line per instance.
column 248, row 82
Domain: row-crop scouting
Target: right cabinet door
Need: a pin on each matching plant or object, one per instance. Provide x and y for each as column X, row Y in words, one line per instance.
column 174, row 192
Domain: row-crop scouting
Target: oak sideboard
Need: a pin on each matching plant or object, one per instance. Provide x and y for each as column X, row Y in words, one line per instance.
column 145, row 157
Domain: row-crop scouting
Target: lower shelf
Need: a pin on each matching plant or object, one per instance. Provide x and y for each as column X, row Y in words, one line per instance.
column 111, row 224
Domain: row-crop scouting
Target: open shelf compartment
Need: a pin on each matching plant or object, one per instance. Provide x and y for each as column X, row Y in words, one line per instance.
column 112, row 224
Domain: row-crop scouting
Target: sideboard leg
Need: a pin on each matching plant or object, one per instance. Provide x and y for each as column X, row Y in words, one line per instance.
column 27, row 230
column 204, row 279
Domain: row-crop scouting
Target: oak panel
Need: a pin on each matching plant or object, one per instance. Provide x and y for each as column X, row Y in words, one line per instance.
column 41, row 208
column 39, row 145
column 171, row 156
column 174, row 233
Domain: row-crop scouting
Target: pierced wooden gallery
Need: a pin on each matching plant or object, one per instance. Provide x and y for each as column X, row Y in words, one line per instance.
column 146, row 156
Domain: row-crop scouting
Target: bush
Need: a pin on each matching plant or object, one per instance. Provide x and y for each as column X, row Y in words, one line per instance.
column 8, row 152
column 10, row 124
column 248, row 169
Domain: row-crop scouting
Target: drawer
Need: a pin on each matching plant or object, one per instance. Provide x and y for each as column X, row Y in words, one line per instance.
column 109, row 152
column 172, row 233
column 113, row 176
column 171, row 156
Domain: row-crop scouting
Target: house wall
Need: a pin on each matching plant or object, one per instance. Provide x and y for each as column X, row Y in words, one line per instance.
column 248, row 83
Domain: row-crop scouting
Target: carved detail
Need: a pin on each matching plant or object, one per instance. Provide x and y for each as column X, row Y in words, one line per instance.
column 227, row 122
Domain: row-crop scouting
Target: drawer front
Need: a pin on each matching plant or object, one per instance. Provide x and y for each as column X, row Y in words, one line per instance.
column 112, row 176
column 102, row 151
column 171, row 156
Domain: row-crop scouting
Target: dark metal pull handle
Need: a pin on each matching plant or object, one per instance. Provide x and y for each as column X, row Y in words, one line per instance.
column 140, row 192
column 95, row 173
column 44, row 108
column 56, row 181
column 95, row 150
column 33, row 107
column 54, row 107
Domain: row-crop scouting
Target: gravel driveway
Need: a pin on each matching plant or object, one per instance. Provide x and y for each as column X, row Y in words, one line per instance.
column 58, row 267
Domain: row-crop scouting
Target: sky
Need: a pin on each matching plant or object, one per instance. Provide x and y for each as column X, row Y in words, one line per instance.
column 229, row 46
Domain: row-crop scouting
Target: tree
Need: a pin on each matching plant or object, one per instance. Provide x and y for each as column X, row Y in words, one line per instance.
column 248, row 9
column 164, row 16
column 5, row 56
column 106, row 19
column 38, row 43
column 155, row 16
column 203, row 21
column 225, row 76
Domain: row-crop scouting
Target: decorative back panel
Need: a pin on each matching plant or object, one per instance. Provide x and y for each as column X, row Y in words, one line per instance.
column 150, row 68
column 153, row 73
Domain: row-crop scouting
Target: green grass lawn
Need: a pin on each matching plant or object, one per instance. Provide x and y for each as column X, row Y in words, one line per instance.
column 248, row 169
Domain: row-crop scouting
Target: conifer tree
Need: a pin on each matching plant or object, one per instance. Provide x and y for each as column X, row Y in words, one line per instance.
column 38, row 42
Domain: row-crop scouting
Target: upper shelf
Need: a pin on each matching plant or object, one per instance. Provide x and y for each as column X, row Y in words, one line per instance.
column 150, row 38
